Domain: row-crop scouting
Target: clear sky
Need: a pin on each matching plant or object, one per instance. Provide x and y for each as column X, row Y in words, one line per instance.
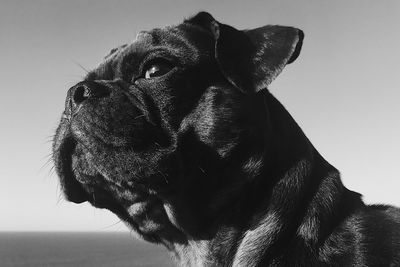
column 343, row 89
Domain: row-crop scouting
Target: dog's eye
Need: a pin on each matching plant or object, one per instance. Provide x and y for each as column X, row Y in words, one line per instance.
column 157, row 69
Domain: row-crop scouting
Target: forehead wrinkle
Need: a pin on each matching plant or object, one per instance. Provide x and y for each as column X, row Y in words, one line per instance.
column 104, row 69
column 136, row 48
column 171, row 38
column 143, row 35
column 175, row 40
column 110, row 67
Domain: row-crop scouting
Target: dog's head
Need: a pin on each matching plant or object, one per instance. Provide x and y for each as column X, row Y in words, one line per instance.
column 170, row 129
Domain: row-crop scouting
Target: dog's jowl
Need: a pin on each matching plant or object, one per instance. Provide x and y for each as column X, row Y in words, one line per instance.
column 177, row 134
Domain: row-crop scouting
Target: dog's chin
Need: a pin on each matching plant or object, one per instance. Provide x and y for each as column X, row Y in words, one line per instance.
column 81, row 182
column 64, row 145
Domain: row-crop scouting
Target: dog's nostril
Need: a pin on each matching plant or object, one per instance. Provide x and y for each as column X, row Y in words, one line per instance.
column 84, row 91
column 81, row 93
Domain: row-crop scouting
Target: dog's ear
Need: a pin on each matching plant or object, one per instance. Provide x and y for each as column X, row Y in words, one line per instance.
column 251, row 59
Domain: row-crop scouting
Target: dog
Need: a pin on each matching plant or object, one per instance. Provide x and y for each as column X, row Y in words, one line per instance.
column 177, row 134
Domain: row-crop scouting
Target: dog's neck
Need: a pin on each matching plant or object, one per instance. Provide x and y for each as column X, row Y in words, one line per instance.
column 305, row 203
column 303, row 193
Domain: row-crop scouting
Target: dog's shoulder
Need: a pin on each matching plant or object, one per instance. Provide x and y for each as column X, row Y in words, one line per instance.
column 368, row 237
column 384, row 222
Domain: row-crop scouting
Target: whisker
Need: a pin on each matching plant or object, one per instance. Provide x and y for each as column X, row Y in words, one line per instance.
column 52, row 171
column 60, row 197
column 163, row 175
column 82, row 67
column 48, row 161
column 157, row 144
column 109, row 226
column 139, row 116
column 201, row 169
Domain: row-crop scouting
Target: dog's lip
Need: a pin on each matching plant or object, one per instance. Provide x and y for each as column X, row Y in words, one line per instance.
column 77, row 192
column 72, row 189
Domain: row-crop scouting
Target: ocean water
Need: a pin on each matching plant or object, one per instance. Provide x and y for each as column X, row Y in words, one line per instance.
column 79, row 249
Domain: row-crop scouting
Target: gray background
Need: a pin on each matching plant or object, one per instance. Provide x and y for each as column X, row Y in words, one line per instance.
column 343, row 89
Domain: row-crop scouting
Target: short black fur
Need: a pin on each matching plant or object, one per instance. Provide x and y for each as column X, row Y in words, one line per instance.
column 204, row 160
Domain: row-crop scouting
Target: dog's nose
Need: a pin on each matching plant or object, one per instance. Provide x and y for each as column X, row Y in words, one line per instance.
column 82, row 92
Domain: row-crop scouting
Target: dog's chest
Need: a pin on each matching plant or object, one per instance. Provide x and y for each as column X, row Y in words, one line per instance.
column 193, row 254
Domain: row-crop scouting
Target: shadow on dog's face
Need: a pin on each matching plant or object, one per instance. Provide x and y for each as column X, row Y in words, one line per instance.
column 164, row 130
